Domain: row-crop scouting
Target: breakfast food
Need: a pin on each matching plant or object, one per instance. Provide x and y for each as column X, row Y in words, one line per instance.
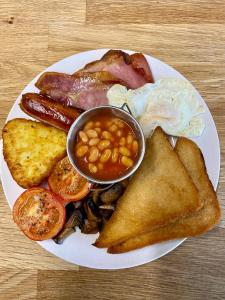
column 160, row 192
column 170, row 195
column 87, row 87
column 31, row 149
column 106, row 147
column 170, row 103
column 39, row 214
column 44, row 109
column 92, row 212
column 79, row 90
column 198, row 222
column 133, row 69
column 67, row 183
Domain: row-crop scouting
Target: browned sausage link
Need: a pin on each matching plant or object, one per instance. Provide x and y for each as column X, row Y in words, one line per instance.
column 47, row 110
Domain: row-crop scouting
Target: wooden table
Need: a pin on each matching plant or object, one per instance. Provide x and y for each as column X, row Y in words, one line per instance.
column 190, row 36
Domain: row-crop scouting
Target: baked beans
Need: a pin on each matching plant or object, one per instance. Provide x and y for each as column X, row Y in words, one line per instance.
column 106, row 147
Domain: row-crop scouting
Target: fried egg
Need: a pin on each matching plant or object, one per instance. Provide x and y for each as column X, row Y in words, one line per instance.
column 170, row 103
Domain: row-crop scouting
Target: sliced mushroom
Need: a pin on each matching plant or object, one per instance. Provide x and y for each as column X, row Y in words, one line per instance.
column 107, row 206
column 125, row 183
column 77, row 204
column 90, row 227
column 95, row 196
column 76, row 219
column 113, row 194
column 69, row 209
column 59, row 239
column 91, row 209
column 106, row 214
column 89, row 214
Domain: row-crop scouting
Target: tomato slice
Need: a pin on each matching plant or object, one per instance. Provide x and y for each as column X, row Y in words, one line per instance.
column 39, row 213
column 68, row 183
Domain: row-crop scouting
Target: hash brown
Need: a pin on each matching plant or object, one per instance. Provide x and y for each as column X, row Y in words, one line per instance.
column 199, row 222
column 31, row 149
column 160, row 192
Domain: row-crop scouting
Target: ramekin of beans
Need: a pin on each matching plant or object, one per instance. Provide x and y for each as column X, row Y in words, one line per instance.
column 105, row 144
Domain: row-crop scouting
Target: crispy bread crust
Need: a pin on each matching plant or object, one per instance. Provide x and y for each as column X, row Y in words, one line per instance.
column 199, row 222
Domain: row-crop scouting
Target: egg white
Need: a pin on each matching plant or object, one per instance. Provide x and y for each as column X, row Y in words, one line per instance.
column 170, row 103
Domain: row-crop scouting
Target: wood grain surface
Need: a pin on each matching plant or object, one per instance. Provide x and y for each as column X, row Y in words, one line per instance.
column 189, row 36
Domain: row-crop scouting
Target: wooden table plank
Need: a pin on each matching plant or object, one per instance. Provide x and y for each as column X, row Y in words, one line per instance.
column 175, row 44
column 186, row 273
column 18, row 284
column 33, row 14
column 154, row 12
column 16, row 73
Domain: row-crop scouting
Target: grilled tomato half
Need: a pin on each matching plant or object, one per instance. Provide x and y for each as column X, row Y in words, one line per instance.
column 39, row 213
column 67, row 182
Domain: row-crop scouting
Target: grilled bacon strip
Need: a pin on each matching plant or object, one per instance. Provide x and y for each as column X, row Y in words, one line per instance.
column 80, row 90
column 44, row 109
column 76, row 82
column 140, row 64
column 87, row 88
column 133, row 69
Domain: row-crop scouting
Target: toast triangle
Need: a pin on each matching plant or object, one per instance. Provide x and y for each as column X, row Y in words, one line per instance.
column 199, row 222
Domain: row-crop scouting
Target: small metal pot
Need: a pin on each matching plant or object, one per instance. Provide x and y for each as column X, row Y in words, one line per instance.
column 120, row 113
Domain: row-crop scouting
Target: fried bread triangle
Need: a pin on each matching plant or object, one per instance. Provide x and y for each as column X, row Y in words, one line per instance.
column 195, row 224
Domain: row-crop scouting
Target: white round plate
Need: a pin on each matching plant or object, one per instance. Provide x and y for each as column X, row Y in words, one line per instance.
column 78, row 248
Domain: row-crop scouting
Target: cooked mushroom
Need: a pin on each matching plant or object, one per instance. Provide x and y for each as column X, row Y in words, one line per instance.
column 91, row 209
column 113, row 193
column 101, row 187
column 95, row 196
column 93, row 212
column 76, row 219
column 105, row 214
column 79, row 217
column 59, row 239
column 107, row 206
column 125, row 183
column 69, row 210
column 77, row 204
column 90, row 227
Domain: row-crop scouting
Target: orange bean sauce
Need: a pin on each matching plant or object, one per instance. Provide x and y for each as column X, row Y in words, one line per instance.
column 106, row 147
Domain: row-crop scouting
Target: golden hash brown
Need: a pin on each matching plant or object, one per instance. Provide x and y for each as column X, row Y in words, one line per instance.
column 199, row 222
column 160, row 192
column 31, row 149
